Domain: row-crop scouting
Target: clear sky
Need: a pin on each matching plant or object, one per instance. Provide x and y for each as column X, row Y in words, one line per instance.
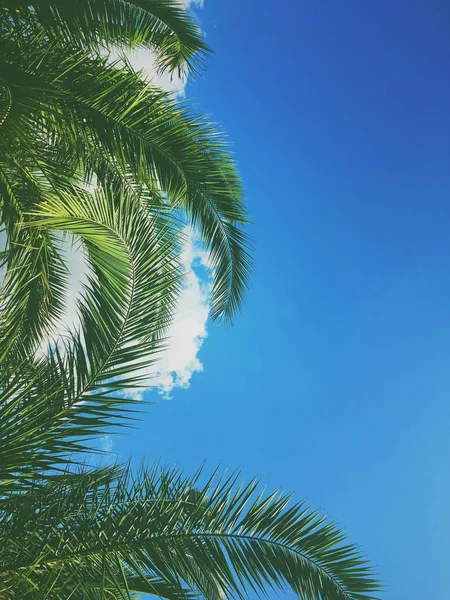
column 334, row 382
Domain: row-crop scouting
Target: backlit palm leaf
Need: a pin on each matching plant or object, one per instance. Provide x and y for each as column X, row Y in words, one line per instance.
column 49, row 404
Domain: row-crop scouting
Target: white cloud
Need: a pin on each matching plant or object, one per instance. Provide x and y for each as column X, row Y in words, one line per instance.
column 188, row 331
column 192, row 3
column 106, row 443
column 179, row 361
column 143, row 60
column 73, row 253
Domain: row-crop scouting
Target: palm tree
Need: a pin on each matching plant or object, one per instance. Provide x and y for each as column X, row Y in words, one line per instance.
column 72, row 122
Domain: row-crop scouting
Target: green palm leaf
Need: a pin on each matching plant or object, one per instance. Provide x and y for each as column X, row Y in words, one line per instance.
column 122, row 127
column 48, row 405
column 162, row 25
column 33, row 292
column 128, row 533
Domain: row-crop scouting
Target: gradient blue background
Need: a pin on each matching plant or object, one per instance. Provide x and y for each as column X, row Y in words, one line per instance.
column 334, row 382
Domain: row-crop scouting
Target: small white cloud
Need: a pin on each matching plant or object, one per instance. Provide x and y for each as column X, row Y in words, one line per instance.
column 187, row 333
column 179, row 360
column 106, row 443
column 144, row 61
column 189, row 3
column 72, row 250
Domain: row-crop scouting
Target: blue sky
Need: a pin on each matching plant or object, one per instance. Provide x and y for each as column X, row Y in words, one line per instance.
column 334, row 382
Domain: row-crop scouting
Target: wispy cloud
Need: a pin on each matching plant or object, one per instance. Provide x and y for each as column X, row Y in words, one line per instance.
column 106, row 443
column 189, row 3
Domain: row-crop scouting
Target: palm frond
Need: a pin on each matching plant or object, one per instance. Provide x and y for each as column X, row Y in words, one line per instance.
column 162, row 526
column 162, row 25
column 134, row 278
column 158, row 140
column 48, row 406
column 5, row 101
column 33, row 291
